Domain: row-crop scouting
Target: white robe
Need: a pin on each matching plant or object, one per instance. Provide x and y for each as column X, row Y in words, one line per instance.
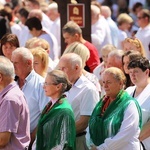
column 144, row 102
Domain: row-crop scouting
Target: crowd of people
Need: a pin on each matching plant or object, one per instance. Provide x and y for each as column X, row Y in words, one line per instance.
column 93, row 96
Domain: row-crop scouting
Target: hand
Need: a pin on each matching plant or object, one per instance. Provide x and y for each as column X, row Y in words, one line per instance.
column 93, row 147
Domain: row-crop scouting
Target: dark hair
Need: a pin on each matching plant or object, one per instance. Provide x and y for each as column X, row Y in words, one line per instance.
column 72, row 28
column 33, row 22
column 136, row 5
column 146, row 13
column 141, row 62
column 12, row 39
column 132, row 54
column 6, row 12
column 23, row 12
column 4, row 26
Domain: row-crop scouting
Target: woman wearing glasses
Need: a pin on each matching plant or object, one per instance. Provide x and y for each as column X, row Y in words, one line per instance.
column 56, row 127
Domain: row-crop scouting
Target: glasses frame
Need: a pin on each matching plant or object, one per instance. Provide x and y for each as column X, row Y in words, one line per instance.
column 47, row 84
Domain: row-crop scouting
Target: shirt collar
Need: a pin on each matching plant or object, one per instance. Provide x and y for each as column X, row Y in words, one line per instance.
column 7, row 88
column 79, row 82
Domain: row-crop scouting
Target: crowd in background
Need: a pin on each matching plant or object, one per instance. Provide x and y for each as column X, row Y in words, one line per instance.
column 93, row 96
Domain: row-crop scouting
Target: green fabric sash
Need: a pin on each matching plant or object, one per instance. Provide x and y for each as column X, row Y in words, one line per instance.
column 99, row 125
column 57, row 127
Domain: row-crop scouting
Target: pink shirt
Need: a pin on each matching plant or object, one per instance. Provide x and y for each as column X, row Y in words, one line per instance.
column 14, row 117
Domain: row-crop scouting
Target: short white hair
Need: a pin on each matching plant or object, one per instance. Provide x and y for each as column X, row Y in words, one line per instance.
column 6, row 67
column 52, row 6
column 95, row 10
column 24, row 53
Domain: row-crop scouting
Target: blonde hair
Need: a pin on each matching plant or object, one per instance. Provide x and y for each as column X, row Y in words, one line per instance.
column 79, row 49
column 38, row 42
column 41, row 54
column 116, row 73
column 124, row 18
column 30, row 42
column 137, row 43
column 108, row 47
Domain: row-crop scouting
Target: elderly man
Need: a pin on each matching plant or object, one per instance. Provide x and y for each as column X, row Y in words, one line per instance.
column 73, row 33
column 14, row 113
column 115, row 59
column 83, row 95
column 100, row 31
column 31, row 84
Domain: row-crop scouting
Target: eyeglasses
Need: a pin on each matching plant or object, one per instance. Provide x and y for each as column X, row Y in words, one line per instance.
column 139, row 18
column 46, row 84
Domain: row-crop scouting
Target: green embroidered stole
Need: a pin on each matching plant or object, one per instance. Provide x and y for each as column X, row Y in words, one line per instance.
column 56, row 127
column 99, row 125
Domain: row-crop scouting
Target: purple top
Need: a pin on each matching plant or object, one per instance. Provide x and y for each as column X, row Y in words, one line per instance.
column 14, row 117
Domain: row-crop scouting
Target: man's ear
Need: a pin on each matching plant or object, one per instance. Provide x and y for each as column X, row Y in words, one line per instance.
column 29, row 62
column 1, row 77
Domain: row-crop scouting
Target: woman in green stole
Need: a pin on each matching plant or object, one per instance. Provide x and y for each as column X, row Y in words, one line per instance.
column 56, row 127
column 116, row 120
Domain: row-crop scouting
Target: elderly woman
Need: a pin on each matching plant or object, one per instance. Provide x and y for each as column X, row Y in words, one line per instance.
column 139, row 74
column 9, row 42
column 56, row 127
column 116, row 120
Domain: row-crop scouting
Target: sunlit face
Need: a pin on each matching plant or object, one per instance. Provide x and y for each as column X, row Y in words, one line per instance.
column 126, row 26
column 19, row 65
column 137, row 75
column 111, row 85
column 112, row 62
column 33, row 32
column 37, row 65
column 129, row 46
column 105, row 56
column 125, row 64
column 29, row 6
column 50, row 88
column 141, row 20
column 8, row 49
column 70, row 38
column 68, row 69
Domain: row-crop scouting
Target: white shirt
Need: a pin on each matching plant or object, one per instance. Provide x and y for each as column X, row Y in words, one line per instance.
column 35, row 96
column 127, row 137
column 54, row 50
column 144, row 36
column 46, row 22
column 144, row 102
column 16, row 29
column 56, row 31
column 121, row 37
column 24, row 35
column 100, row 34
column 83, row 97
column 114, row 31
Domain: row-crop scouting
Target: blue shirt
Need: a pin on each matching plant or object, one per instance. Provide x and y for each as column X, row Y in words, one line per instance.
column 35, row 96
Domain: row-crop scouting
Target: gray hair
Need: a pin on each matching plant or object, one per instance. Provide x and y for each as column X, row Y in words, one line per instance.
column 58, row 77
column 116, row 54
column 75, row 59
column 6, row 67
column 108, row 47
column 72, row 28
column 116, row 73
column 24, row 53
